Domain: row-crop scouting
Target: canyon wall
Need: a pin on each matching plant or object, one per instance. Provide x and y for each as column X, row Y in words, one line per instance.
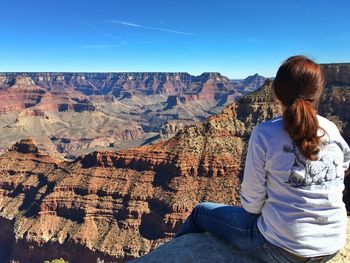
column 69, row 114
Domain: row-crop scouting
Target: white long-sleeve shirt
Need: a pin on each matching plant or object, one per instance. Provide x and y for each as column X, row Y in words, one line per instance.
column 300, row 200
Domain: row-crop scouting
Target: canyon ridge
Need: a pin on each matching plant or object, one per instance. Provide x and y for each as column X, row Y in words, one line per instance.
column 69, row 114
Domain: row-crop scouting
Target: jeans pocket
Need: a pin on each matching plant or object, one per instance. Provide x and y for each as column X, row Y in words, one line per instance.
column 257, row 249
column 258, row 253
column 262, row 254
column 280, row 255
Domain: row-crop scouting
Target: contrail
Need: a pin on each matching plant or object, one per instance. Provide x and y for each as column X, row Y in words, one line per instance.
column 152, row 28
column 101, row 46
column 104, row 33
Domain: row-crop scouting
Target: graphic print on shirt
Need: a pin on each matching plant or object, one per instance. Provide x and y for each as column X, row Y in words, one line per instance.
column 305, row 172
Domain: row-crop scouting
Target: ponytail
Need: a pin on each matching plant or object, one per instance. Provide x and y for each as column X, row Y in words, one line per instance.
column 298, row 85
column 300, row 121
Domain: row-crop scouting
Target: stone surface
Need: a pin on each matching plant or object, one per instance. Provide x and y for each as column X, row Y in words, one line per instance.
column 196, row 248
column 204, row 247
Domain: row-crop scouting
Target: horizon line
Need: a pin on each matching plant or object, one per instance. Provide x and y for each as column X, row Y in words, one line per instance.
column 132, row 72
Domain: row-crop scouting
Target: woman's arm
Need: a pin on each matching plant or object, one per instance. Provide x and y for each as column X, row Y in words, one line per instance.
column 346, row 157
column 345, row 148
column 253, row 188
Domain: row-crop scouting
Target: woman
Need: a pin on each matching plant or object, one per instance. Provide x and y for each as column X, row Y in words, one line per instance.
column 291, row 194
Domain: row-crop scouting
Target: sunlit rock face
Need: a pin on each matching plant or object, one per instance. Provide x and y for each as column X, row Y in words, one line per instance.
column 337, row 73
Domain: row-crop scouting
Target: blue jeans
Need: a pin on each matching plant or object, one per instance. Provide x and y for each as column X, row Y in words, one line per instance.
column 238, row 227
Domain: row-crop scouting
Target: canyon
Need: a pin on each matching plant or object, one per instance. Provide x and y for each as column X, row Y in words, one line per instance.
column 118, row 205
column 69, row 114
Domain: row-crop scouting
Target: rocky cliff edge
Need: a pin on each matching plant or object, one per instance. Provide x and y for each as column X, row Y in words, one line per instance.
column 206, row 248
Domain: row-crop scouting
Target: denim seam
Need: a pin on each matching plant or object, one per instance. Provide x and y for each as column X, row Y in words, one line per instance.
column 273, row 249
column 252, row 249
column 237, row 228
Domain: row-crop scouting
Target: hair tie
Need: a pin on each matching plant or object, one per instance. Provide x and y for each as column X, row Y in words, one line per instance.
column 301, row 97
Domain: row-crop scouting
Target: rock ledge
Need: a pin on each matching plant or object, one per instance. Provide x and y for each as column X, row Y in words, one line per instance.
column 196, row 248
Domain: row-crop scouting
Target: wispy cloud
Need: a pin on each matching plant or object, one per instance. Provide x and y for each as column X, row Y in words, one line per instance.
column 101, row 46
column 97, row 29
column 152, row 28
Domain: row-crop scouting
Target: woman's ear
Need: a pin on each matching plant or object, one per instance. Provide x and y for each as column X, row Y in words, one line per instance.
column 283, row 108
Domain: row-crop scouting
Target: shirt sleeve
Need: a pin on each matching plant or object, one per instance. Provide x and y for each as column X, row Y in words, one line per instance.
column 345, row 148
column 346, row 157
column 253, row 187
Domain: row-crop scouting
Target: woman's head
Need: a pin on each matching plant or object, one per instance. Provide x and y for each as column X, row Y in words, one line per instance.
column 298, row 77
column 298, row 86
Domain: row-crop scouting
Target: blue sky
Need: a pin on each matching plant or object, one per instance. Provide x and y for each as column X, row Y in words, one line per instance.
column 235, row 37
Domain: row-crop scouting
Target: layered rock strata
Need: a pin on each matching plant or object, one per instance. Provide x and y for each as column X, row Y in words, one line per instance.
column 99, row 110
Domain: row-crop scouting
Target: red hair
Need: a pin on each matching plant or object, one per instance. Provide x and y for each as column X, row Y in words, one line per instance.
column 298, row 85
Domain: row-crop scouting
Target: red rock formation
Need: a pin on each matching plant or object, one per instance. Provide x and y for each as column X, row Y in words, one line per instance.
column 206, row 85
column 171, row 128
column 249, row 84
column 22, row 94
column 117, row 108
column 337, row 73
column 121, row 204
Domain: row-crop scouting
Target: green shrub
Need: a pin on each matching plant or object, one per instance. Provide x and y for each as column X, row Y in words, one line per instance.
column 61, row 260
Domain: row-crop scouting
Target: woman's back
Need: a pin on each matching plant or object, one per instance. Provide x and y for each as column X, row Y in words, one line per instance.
column 302, row 208
column 292, row 186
